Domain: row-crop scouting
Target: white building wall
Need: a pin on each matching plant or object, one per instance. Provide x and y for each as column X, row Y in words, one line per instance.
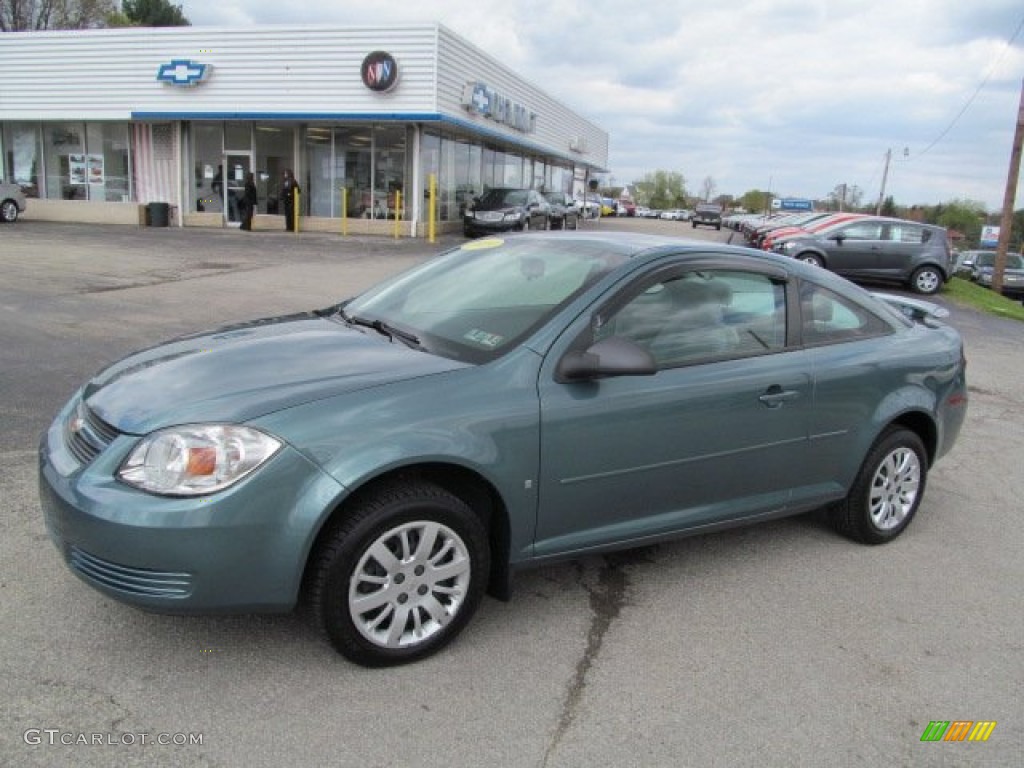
column 557, row 126
column 266, row 73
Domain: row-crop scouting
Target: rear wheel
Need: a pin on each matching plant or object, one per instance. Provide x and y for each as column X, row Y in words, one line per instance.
column 927, row 280
column 401, row 575
column 887, row 491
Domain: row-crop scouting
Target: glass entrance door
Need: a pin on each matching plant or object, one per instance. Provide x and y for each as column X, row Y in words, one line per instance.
column 236, row 167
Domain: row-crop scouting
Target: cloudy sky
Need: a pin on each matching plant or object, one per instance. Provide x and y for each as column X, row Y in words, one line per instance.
column 795, row 95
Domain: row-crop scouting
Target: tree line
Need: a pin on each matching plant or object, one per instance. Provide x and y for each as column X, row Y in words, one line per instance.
column 37, row 15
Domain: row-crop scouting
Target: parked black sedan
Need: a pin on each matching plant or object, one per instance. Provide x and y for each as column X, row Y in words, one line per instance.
column 502, row 209
column 565, row 211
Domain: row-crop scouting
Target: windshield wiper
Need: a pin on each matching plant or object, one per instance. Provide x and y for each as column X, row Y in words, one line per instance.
column 384, row 329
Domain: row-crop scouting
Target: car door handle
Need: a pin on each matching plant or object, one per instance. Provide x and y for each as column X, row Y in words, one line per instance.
column 775, row 396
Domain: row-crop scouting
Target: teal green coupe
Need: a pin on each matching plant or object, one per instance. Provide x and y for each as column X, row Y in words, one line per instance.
column 514, row 401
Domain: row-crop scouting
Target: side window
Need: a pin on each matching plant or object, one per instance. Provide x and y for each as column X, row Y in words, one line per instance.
column 829, row 318
column 696, row 316
column 908, row 233
column 862, row 231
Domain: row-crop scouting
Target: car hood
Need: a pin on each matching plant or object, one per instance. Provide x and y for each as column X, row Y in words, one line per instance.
column 240, row 373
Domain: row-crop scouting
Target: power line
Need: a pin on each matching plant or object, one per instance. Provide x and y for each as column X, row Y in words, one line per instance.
column 991, row 70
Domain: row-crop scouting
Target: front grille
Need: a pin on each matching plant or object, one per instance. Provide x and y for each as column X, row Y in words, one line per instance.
column 135, row 581
column 86, row 435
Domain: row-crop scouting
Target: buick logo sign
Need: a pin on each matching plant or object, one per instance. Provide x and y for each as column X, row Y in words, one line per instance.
column 380, row 71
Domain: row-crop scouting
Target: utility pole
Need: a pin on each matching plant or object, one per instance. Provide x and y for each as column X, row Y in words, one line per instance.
column 885, row 176
column 1006, row 223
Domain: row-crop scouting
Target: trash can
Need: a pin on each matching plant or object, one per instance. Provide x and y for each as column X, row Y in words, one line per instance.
column 158, row 214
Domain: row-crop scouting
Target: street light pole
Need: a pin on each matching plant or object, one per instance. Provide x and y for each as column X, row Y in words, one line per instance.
column 885, row 176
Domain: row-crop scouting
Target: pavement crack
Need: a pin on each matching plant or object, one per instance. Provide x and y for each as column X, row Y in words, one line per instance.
column 606, row 601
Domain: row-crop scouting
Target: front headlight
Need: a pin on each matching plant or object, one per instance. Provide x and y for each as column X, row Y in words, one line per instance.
column 196, row 460
column 513, row 216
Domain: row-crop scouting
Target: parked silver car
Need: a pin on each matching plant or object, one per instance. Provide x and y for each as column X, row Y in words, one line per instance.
column 12, row 202
column 875, row 248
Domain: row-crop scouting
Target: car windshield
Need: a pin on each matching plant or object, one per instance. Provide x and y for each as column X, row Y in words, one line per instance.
column 476, row 302
column 495, row 198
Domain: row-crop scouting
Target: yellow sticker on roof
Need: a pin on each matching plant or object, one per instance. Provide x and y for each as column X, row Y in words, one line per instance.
column 483, row 244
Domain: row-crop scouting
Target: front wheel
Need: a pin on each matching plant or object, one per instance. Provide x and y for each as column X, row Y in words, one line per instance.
column 812, row 259
column 887, row 491
column 401, row 575
column 927, row 280
column 8, row 212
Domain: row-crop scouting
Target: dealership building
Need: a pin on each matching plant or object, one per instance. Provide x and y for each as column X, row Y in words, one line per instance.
column 378, row 124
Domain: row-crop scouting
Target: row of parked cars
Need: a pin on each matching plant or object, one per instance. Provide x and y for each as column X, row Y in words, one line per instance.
column 856, row 245
column 505, row 209
column 979, row 267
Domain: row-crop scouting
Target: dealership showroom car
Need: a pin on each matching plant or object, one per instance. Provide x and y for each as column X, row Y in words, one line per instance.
column 515, row 401
column 564, row 211
column 502, row 209
column 12, row 203
column 876, row 248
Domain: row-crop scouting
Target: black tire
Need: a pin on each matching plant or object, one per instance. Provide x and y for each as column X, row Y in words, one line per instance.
column 927, row 280
column 811, row 258
column 8, row 212
column 694, row 225
column 887, row 491
column 398, row 519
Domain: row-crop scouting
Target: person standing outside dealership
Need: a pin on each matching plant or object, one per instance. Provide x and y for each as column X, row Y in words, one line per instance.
column 289, row 188
column 250, row 198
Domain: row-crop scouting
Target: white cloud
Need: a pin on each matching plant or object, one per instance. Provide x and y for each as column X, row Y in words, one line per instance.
column 802, row 94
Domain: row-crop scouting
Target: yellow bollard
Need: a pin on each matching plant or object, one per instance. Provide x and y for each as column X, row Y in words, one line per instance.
column 432, row 208
column 398, row 211
column 344, row 210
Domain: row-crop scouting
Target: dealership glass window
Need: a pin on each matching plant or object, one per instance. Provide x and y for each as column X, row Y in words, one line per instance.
column 430, row 163
column 352, row 157
column 22, row 154
column 319, row 150
column 389, row 144
column 274, row 147
column 109, row 171
column 207, row 161
column 65, row 162
column 467, row 175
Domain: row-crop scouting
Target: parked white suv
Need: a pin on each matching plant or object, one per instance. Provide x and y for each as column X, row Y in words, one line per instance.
column 12, row 202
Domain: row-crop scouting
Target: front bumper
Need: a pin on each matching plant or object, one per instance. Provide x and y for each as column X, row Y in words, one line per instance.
column 472, row 226
column 243, row 549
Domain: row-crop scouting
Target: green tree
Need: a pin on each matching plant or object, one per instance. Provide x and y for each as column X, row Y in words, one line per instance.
column 661, row 189
column 756, row 201
column 888, row 207
column 33, row 15
column 154, row 13
column 964, row 216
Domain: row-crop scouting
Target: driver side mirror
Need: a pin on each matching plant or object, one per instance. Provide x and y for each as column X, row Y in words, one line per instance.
column 614, row 356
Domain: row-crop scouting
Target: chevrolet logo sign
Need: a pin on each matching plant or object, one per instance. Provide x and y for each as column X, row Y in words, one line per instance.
column 182, row 72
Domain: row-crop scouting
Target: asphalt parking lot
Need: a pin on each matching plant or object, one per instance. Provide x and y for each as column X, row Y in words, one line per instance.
column 777, row 645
